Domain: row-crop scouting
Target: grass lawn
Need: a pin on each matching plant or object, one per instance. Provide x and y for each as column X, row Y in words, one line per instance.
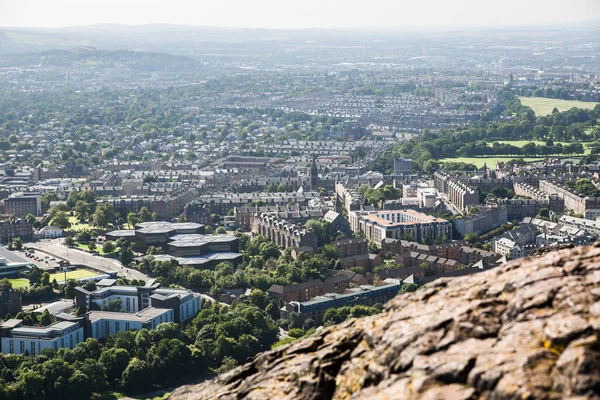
column 77, row 226
column 491, row 161
column 19, row 282
column 84, row 246
column 76, row 274
column 544, row 106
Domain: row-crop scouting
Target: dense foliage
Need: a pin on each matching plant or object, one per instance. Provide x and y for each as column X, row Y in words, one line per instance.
column 140, row 361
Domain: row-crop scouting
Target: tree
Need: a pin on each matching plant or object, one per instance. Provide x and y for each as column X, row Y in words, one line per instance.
column 92, row 246
column 108, row 247
column 227, row 365
column 69, row 288
column 35, row 276
column 135, row 376
column 113, row 305
column 221, row 230
column 132, row 219
column 45, row 281
column 61, row 220
column 126, row 256
column 82, row 210
column 471, row 238
column 46, row 318
column 17, row 243
column 69, row 241
column 5, row 284
column 115, row 361
column 144, row 215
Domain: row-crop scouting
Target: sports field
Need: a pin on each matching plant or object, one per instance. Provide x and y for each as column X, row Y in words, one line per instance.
column 76, row 274
column 60, row 276
column 544, row 106
column 19, row 282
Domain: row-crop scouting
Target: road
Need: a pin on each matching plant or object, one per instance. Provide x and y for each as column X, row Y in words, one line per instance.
column 56, row 248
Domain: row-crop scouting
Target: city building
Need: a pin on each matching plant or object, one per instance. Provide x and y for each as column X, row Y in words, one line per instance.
column 364, row 295
column 31, row 340
column 402, row 166
column 104, row 323
column 15, row 228
column 133, row 299
column 401, row 224
column 20, row 204
column 285, row 234
column 11, row 263
column 481, row 222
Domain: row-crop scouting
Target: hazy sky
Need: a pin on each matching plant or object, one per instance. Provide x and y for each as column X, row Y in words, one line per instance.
column 298, row 13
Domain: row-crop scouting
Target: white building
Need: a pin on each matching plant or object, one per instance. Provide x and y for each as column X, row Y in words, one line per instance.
column 31, row 340
column 134, row 299
column 103, row 323
column 49, row 232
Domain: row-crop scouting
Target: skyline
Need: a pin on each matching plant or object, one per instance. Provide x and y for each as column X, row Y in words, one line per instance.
column 310, row 14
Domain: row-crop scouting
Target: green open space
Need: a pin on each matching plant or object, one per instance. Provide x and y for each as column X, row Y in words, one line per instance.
column 19, row 282
column 544, row 106
column 85, row 246
column 491, row 162
column 77, row 226
column 75, row 274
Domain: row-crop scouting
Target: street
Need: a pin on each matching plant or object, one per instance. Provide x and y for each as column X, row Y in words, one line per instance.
column 56, row 248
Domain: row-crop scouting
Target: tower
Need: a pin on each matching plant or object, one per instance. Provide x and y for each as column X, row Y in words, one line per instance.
column 314, row 175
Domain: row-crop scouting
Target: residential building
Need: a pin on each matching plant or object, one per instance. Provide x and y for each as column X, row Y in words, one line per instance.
column 365, row 295
column 31, row 340
column 104, row 323
column 16, row 228
column 483, row 221
column 20, row 204
column 184, row 303
column 285, row 234
column 398, row 224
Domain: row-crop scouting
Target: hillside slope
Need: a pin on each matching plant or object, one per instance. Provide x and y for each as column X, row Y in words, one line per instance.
column 526, row 330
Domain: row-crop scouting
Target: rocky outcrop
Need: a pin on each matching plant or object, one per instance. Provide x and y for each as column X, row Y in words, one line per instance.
column 527, row 330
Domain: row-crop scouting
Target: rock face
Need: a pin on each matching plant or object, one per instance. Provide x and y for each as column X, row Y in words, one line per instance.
column 527, row 330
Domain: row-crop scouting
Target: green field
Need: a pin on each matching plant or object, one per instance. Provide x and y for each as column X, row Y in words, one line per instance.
column 544, row 106
column 19, row 282
column 84, row 246
column 490, row 161
column 76, row 226
column 76, row 274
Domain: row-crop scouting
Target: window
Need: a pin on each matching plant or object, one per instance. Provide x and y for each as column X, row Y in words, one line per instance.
column 11, row 345
column 117, row 326
column 62, row 342
column 70, row 341
column 128, row 302
column 32, row 348
column 126, row 326
column 106, row 328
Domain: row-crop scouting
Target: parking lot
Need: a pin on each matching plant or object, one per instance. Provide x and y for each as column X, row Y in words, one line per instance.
column 41, row 260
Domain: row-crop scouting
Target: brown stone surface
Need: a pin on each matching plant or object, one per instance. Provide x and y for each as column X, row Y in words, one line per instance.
column 526, row 330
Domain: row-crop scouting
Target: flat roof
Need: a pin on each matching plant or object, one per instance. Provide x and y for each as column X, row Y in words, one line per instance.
column 143, row 316
column 122, row 233
column 193, row 240
column 199, row 260
column 13, row 257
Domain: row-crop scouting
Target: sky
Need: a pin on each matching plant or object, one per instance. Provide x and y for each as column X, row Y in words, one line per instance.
column 299, row 14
